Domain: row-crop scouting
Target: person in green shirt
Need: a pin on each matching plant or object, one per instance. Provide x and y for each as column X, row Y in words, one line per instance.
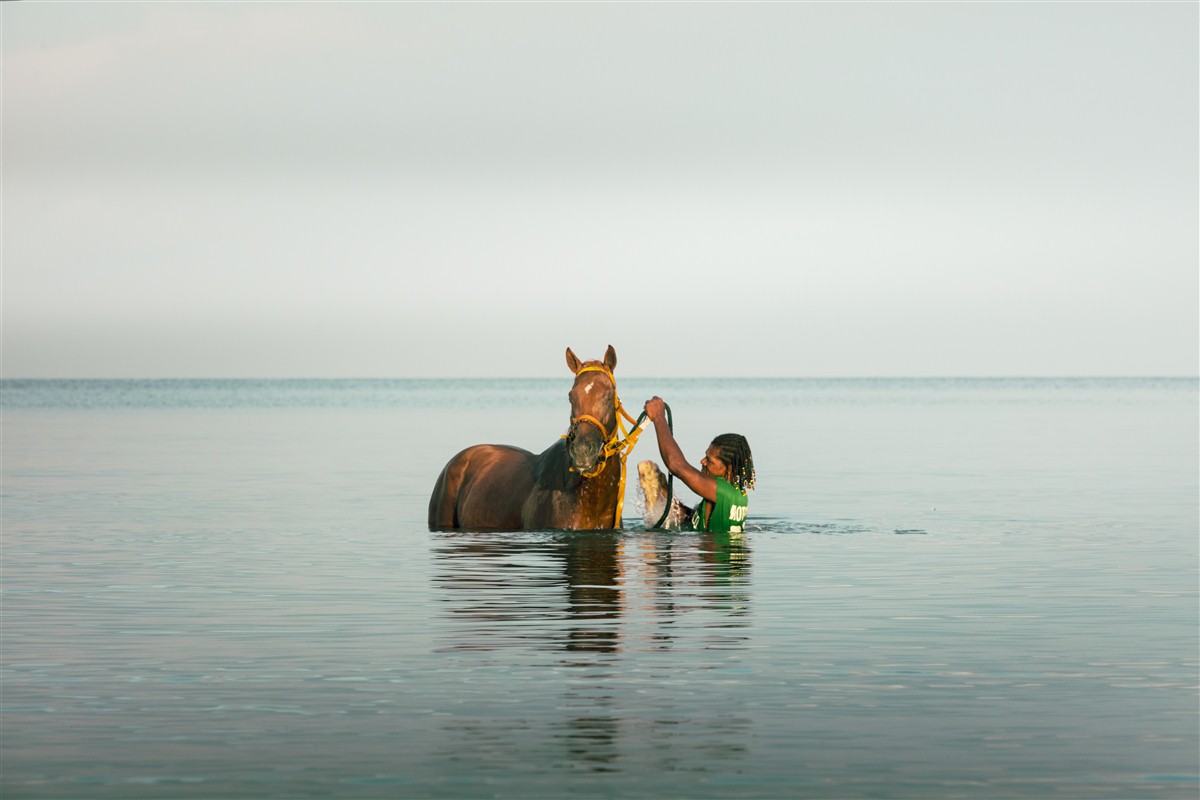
column 726, row 472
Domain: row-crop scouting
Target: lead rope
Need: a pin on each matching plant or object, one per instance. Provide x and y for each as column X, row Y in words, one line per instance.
column 670, row 477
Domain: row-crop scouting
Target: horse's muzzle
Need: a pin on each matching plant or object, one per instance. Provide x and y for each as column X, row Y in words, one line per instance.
column 584, row 452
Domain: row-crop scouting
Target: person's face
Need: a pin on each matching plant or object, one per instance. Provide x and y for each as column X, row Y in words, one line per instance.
column 712, row 464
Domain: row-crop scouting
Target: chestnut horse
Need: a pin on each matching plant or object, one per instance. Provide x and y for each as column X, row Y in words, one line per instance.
column 566, row 487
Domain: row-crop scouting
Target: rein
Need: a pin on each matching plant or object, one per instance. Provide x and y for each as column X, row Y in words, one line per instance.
column 670, row 477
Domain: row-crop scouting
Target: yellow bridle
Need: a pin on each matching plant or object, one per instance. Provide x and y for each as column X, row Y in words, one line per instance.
column 621, row 444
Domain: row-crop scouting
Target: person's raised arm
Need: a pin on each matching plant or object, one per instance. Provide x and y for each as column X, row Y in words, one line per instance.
column 700, row 483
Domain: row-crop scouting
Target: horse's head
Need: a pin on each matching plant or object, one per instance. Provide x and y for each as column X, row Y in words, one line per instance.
column 593, row 410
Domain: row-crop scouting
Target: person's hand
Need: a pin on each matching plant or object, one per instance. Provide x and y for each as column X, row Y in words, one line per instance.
column 656, row 409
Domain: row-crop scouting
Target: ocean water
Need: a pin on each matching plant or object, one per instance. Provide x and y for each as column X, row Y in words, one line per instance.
column 948, row 588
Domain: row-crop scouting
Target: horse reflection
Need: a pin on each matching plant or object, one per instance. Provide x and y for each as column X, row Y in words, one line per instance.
column 594, row 592
column 606, row 602
column 562, row 590
column 559, row 592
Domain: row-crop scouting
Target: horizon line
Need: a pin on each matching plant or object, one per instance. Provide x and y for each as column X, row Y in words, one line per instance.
column 1156, row 376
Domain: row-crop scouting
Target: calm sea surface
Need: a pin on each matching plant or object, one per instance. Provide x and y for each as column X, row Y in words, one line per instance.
column 949, row 588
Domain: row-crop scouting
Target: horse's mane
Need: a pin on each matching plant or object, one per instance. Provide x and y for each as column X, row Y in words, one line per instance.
column 550, row 468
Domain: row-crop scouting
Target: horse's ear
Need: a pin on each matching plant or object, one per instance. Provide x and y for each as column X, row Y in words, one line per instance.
column 573, row 362
column 610, row 358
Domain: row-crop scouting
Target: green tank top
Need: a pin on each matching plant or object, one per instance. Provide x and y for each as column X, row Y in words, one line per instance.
column 728, row 513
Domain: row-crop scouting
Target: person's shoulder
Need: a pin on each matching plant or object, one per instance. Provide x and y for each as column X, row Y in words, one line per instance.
column 728, row 489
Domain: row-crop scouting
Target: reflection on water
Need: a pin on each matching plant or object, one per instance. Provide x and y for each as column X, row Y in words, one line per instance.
column 609, row 612
column 573, row 592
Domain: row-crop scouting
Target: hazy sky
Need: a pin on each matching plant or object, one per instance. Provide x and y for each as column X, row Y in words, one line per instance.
column 412, row 189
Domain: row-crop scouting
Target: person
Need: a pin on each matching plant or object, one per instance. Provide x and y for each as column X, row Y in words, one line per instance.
column 726, row 472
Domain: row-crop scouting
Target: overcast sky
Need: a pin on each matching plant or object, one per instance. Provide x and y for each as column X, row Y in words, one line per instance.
column 716, row 189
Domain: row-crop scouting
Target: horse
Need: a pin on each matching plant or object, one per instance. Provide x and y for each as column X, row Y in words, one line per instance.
column 576, row 483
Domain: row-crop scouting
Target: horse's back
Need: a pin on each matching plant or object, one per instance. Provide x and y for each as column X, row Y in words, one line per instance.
column 482, row 488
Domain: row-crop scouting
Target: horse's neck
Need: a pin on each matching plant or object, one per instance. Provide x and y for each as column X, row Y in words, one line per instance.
column 552, row 471
column 566, row 499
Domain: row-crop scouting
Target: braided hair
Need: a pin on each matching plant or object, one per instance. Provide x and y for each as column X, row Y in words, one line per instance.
column 734, row 451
